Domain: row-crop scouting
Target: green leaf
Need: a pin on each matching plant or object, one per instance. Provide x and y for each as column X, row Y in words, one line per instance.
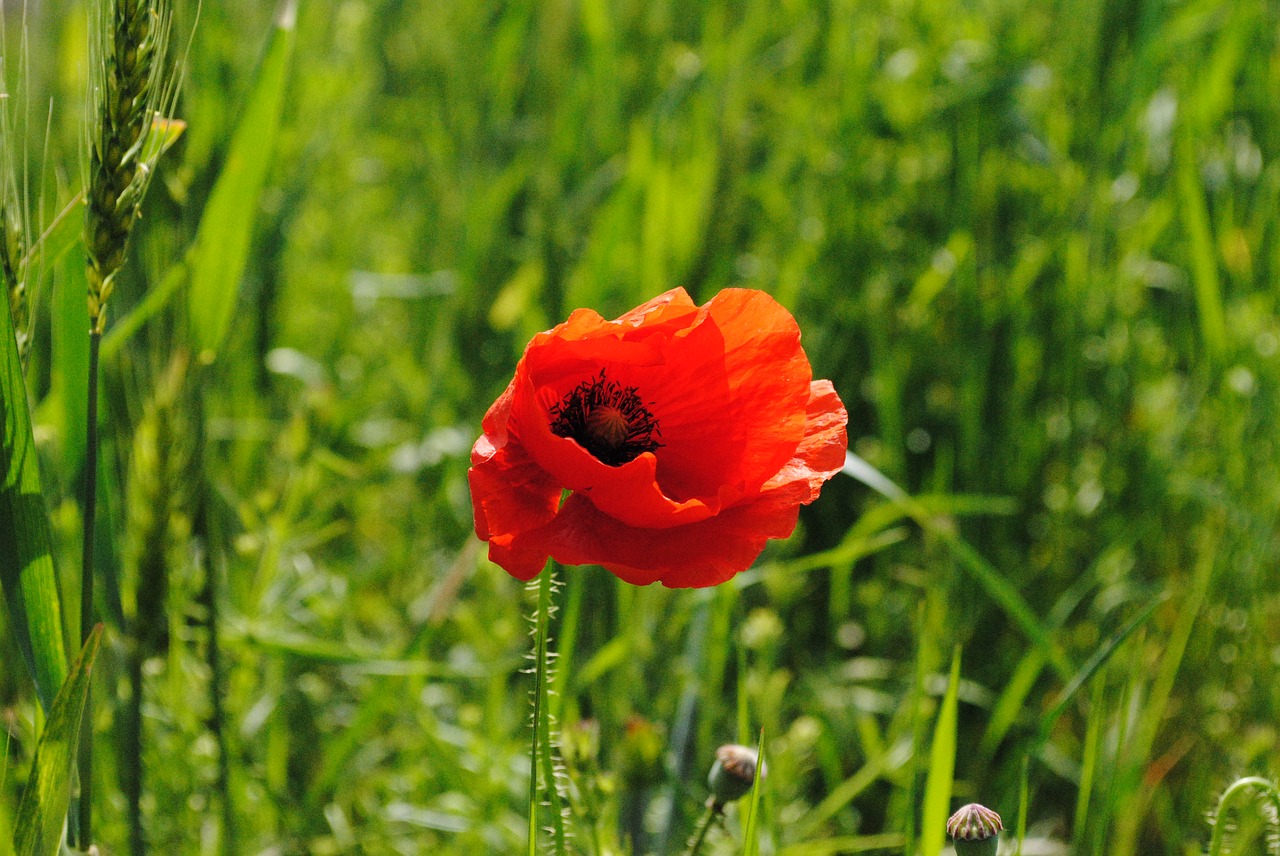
column 222, row 240
column 48, row 793
column 26, row 562
column 751, row 833
column 942, row 767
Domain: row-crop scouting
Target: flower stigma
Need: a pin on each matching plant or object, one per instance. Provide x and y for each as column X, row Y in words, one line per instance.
column 607, row 419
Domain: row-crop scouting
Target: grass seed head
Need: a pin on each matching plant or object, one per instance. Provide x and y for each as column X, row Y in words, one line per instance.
column 134, row 84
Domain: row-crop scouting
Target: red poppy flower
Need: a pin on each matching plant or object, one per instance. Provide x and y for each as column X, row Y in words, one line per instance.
column 668, row 445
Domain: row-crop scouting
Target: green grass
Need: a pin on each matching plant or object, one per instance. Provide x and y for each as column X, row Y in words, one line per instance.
column 1034, row 246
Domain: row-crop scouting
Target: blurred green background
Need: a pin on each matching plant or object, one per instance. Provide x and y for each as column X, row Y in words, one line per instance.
column 1034, row 245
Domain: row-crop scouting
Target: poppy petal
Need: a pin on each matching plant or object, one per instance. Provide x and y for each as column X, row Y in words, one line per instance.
column 693, row 556
column 511, row 497
column 820, row 454
column 631, row 491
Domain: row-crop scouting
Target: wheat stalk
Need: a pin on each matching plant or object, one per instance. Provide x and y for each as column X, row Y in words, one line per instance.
column 131, row 81
column 134, row 85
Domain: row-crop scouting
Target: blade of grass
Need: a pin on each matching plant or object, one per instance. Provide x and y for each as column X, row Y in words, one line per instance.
column 222, row 240
column 26, row 562
column 1007, row 708
column 847, row 791
column 1020, row 828
column 942, row 765
column 1000, row 590
column 45, row 799
column 62, row 233
column 751, row 833
column 6, row 828
column 1088, row 765
column 1096, row 662
column 155, row 300
column 1204, row 265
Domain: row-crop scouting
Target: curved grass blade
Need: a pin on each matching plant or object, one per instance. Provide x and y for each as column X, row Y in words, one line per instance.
column 222, row 241
column 26, row 562
column 942, row 767
column 47, row 795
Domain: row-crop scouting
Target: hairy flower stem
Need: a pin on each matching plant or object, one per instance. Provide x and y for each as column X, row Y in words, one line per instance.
column 1264, row 791
column 541, row 752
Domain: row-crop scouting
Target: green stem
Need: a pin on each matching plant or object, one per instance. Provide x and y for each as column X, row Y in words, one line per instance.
column 1227, row 803
column 211, row 598
column 541, row 754
column 217, row 716
column 704, row 826
column 131, row 760
column 84, row 815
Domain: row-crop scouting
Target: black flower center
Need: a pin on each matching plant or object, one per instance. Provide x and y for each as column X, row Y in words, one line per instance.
column 607, row 419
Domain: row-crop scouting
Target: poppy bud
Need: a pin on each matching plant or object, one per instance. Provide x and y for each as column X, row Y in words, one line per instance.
column 975, row 829
column 733, row 773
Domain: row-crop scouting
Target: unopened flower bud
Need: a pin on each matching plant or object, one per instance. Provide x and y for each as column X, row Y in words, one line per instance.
column 733, row 773
column 975, row 829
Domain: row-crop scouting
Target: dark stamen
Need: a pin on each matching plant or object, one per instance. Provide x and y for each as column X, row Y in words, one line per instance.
column 607, row 419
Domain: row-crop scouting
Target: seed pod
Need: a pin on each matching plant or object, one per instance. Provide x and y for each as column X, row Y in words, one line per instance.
column 975, row 830
column 733, row 773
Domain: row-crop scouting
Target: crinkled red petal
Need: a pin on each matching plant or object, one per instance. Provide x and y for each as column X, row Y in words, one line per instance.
column 693, row 556
column 512, row 498
column 820, row 454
